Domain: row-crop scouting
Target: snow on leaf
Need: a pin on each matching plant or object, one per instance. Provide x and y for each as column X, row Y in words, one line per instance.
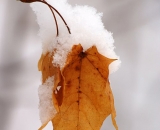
column 48, row 70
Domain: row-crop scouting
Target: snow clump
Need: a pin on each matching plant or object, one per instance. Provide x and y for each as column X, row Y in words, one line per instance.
column 86, row 28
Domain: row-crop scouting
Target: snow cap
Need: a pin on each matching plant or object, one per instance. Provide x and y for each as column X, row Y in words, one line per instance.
column 86, row 28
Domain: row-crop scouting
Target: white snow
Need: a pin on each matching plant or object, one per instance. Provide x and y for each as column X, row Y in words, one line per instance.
column 86, row 28
column 46, row 108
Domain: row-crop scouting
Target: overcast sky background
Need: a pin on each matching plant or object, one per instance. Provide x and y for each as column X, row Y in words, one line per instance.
column 136, row 85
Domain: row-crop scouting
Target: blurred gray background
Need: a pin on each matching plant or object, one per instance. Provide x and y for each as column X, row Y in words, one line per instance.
column 136, row 85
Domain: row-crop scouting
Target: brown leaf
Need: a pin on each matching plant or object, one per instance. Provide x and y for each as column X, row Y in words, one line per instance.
column 87, row 97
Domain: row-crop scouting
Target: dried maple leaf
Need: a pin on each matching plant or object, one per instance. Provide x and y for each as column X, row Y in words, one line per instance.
column 87, row 97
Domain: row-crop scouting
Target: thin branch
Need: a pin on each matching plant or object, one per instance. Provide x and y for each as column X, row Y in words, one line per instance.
column 51, row 7
column 54, row 19
column 56, row 12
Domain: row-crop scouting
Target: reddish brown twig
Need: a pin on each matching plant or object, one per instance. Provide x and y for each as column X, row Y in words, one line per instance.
column 51, row 7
